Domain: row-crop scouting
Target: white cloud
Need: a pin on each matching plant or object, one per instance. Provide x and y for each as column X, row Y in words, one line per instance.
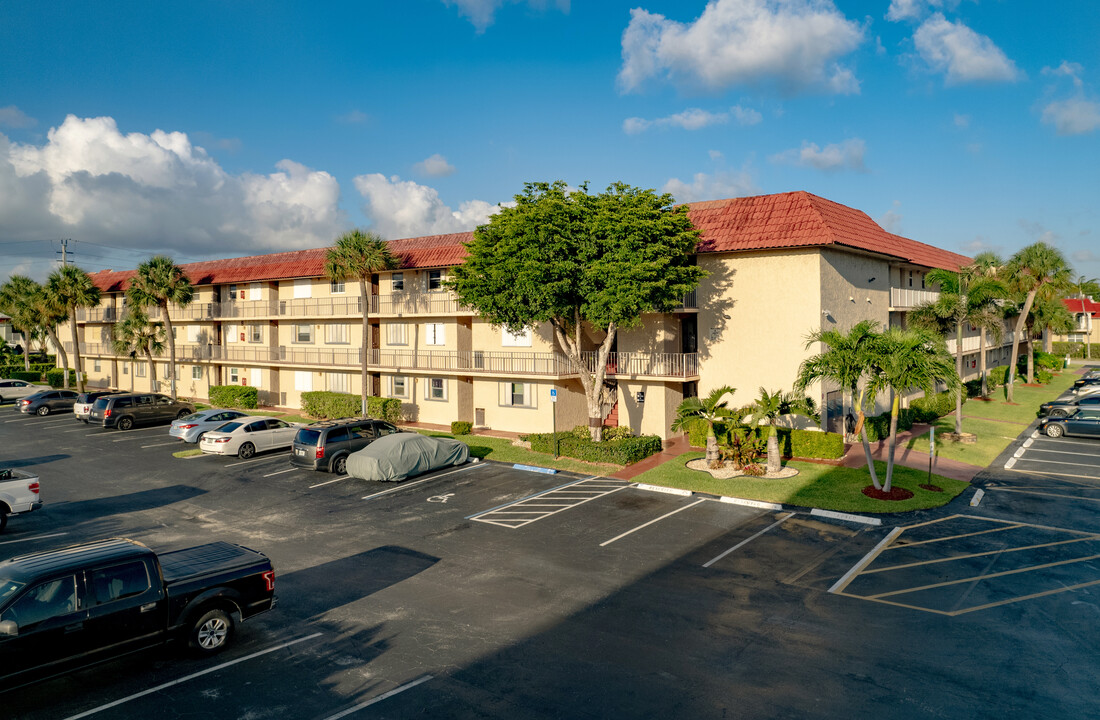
column 353, row 117
column 435, row 166
column 916, row 9
column 13, row 117
column 480, row 12
column 715, row 154
column 846, row 155
column 979, row 245
column 962, row 54
column 402, row 208
column 158, row 192
column 711, row 187
column 792, row 43
column 962, row 121
column 694, row 119
column 1068, row 69
column 891, row 219
column 1075, row 116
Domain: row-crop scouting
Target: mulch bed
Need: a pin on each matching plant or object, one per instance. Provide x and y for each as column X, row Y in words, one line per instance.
column 929, row 488
column 897, row 493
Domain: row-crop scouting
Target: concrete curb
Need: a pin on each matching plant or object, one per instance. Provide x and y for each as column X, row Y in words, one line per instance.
column 847, row 517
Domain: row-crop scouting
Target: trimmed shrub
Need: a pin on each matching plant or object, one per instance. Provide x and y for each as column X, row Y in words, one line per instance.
column 811, row 444
column 388, row 409
column 15, row 371
column 1049, row 361
column 932, row 407
column 1075, row 350
column 624, row 451
column 461, row 427
column 878, row 426
column 617, row 433
column 31, row 377
column 581, row 432
column 325, row 404
column 56, row 377
column 245, row 397
column 697, row 433
column 1044, row 376
column 998, row 376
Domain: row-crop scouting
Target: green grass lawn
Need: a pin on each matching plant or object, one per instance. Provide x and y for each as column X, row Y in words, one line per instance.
column 187, row 453
column 823, row 486
column 1026, row 399
column 502, row 450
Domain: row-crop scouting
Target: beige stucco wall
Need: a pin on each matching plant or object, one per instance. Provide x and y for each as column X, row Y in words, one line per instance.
column 654, row 415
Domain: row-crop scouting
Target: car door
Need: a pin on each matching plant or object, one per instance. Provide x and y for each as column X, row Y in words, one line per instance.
column 281, row 433
column 143, row 409
column 258, row 435
column 361, row 435
column 67, row 400
column 42, row 628
column 164, row 408
column 127, row 608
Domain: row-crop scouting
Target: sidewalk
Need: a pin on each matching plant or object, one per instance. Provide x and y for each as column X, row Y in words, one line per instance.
column 915, row 459
column 673, row 449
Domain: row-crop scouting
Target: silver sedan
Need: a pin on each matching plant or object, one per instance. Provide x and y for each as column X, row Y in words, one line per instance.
column 191, row 428
column 247, row 436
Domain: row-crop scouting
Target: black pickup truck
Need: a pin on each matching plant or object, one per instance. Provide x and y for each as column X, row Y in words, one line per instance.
column 65, row 609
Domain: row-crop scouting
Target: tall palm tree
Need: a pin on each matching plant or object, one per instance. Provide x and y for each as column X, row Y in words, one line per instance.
column 158, row 282
column 1087, row 288
column 845, row 361
column 72, row 287
column 771, row 406
column 134, row 334
column 1029, row 270
column 15, row 302
column 359, row 255
column 906, row 359
column 711, row 410
column 991, row 319
column 1050, row 314
column 964, row 297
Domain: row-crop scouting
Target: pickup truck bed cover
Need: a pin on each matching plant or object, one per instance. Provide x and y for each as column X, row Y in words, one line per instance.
column 204, row 559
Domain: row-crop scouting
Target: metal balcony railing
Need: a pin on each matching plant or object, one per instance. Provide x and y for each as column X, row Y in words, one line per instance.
column 909, row 298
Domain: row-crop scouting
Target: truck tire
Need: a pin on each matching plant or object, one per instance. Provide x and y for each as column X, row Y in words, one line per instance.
column 211, row 632
column 125, row 423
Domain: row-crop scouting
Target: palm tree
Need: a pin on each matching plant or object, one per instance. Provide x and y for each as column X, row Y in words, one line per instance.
column 711, row 410
column 991, row 319
column 1087, row 288
column 359, row 255
column 72, row 287
column 964, row 297
column 134, row 334
column 770, row 407
column 906, row 359
column 1050, row 314
column 845, row 362
column 15, row 302
column 160, row 281
column 1029, row 270
column 48, row 313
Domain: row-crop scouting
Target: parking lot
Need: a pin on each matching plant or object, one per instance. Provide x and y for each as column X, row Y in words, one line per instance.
column 487, row 591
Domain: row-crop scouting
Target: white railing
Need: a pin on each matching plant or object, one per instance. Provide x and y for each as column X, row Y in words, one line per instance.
column 908, row 298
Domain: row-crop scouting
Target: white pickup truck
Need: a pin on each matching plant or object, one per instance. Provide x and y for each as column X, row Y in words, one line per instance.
column 19, row 493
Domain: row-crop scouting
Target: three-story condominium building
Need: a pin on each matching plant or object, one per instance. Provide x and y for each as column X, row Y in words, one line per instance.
column 779, row 267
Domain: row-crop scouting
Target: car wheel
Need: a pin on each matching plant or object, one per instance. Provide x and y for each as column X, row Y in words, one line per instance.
column 246, row 451
column 84, row 421
column 1054, row 431
column 1057, row 413
column 125, row 423
column 211, row 632
column 182, row 414
column 340, row 464
column 44, row 410
column 199, row 438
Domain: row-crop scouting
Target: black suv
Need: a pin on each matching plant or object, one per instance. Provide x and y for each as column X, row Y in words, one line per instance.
column 325, row 445
column 128, row 409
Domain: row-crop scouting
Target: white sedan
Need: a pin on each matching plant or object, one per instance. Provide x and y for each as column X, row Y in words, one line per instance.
column 249, row 435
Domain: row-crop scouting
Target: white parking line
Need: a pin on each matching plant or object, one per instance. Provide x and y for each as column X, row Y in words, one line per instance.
column 402, row 486
column 51, row 421
column 1063, row 452
column 174, row 442
column 327, row 482
column 380, row 698
column 1061, row 462
column 748, row 540
column 842, row 583
column 248, row 462
column 562, row 497
column 192, row 676
column 628, row 532
column 280, row 472
column 35, row 537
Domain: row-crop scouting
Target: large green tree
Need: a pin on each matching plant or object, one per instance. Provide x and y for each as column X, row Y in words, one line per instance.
column 359, row 255
column 136, row 335
column 991, row 320
column 48, row 313
column 845, row 360
column 158, row 282
column 1029, row 271
column 965, row 298
column 73, row 288
column 570, row 259
column 15, row 301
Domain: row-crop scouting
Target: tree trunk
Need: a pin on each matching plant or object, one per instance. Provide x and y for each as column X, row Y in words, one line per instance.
column 981, row 360
column 76, row 351
column 861, row 430
column 592, row 383
column 959, row 372
column 1048, row 342
column 1020, row 322
column 1031, row 360
column 27, row 350
column 712, row 445
column 895, row 403
column 152, row 372
column 366, row 341
column 171, row 349
column 773, row 450
column 60, row 349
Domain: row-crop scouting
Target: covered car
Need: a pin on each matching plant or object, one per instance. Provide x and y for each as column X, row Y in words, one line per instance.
column 405, row 455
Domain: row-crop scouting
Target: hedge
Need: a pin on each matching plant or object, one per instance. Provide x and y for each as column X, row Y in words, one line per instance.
column 461, row 427
column 324, row 404
column 16, row 372
column 933, row 407
column 56, row 377
column 624, row 451
column 792, row 442
column 878, row 426
column 235, row 396
column 1075, row 350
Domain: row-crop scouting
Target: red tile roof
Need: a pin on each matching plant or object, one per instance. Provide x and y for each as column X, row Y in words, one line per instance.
column 765, row 222
column 1082, row 305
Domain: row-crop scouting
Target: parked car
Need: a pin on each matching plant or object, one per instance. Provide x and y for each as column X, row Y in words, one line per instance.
column 1085, row 423
column 1084, row 382
column 406, row 455
column 192, row 427
column 325, row 445
column 19, row 493
column 125, row 410
column 15, row 389
column 247, row 436
column 83, row 407
column 65, row 609
column 1061, row 408
column 47, row 401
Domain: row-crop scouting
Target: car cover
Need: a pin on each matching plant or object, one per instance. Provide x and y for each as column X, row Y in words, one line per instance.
column 405, row 455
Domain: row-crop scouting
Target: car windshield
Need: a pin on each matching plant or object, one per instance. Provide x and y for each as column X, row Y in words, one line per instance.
column 228, row 427
column 8, row 588
column 100, row 404
column 306, row 436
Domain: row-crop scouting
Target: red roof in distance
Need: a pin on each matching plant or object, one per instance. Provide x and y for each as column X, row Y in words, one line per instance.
column 1082, row 305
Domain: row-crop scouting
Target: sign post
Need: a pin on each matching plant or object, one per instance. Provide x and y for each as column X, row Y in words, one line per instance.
column 554, row 418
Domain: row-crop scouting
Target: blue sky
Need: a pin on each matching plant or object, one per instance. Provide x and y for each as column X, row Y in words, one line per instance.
column 214, row 129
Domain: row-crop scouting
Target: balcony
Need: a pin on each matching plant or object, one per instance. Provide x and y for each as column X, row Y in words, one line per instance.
column 904, row 298
column 96, row 314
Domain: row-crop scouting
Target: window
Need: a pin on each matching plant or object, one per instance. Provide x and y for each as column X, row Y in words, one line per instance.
column 140, row 369
column 193, row 333
column 125, row 368
column 435, row 389
column 398, row 282
column 119, row 582
column 517, row 394
column 435, row 279
column 338, row 382
column 166, row 373
column 303, row 380
column 303, row 333
column 196, row 372
column 234, row 375
column 230, row 333
column 45, row 601
column 399, row 387
column 95, row 365
column 337, row 287
column 254, row 334
column 435, row 334
column 232, row 292
column 336, row 334
column 397, row 334
column 523, row 339
column 302, row 289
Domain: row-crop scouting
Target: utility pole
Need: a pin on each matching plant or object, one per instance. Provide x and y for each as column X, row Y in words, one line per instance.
column 64, row 251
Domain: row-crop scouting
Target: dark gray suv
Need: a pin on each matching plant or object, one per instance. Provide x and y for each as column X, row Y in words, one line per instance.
column 325, row 445
column 126, row 410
